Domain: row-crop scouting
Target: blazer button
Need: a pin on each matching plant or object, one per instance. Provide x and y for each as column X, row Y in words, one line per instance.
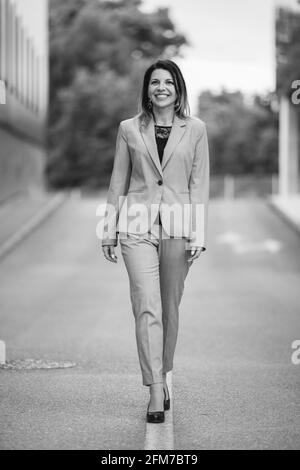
column 159, row 182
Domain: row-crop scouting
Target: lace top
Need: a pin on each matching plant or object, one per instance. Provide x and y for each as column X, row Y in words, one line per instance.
column 161, row 135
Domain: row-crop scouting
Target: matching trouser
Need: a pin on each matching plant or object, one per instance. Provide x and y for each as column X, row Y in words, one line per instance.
column 157, row 268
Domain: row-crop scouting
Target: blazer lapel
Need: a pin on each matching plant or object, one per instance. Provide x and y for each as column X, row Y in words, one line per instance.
column 148, row 134
column 176, row 134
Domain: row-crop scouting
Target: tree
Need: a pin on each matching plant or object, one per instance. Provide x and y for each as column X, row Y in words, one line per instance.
column 242, row 133
column 98, row 53
column 287, row 50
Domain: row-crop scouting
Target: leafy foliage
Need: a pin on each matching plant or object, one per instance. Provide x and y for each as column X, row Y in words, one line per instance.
column 243, row 134
column 98, row 53
column 287, row 50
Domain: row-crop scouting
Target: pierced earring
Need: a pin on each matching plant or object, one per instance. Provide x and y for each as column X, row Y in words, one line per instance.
column 149, row 103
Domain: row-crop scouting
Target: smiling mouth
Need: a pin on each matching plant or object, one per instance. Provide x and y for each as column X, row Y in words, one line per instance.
column 161, row 94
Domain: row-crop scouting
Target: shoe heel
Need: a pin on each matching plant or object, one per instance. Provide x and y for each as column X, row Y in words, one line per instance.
column 166, row 401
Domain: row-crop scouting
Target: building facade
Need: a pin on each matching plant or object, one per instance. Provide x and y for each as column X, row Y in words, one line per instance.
column 23, row 94
column 287, row 71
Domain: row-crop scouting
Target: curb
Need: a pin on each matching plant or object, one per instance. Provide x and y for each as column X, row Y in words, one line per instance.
column 46, row 210
column 283, row 215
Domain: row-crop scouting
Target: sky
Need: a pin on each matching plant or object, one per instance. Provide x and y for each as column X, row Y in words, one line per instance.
column 232, row 43
column 35, row 19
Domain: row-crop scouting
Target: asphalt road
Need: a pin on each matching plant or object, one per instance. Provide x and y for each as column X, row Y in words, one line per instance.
column 234, row 384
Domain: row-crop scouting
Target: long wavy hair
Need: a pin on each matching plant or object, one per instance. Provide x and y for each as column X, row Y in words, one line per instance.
column 182, row 108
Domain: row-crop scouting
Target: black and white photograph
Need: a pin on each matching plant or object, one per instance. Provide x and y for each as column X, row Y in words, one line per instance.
column 149, row 227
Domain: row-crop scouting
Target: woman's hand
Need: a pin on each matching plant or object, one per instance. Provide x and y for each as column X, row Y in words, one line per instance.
column 195, row 253
column 109, row 253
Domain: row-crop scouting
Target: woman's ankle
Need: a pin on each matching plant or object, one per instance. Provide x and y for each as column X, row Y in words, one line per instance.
column 156, row 386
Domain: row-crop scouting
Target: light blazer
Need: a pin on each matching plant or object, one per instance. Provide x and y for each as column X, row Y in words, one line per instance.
column 181, row 181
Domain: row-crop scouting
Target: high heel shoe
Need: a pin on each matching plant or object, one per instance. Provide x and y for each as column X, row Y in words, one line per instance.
column 166, row 401
column 155, row 416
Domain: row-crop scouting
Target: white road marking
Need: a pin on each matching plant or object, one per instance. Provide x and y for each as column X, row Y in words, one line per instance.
column 241, row 245
column 269, row 245
column 229, row 238
column 160, row 436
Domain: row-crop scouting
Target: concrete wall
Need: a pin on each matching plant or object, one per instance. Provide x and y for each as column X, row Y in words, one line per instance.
column 21, row 165
column 288, row 148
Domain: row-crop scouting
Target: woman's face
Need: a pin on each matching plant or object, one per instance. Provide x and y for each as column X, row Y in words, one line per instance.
column 161, row 89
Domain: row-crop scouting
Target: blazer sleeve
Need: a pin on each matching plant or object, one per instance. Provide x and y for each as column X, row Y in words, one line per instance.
column 118, row 187
column 199, row 191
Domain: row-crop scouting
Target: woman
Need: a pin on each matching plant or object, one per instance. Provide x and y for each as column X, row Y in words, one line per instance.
column 161, row 174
